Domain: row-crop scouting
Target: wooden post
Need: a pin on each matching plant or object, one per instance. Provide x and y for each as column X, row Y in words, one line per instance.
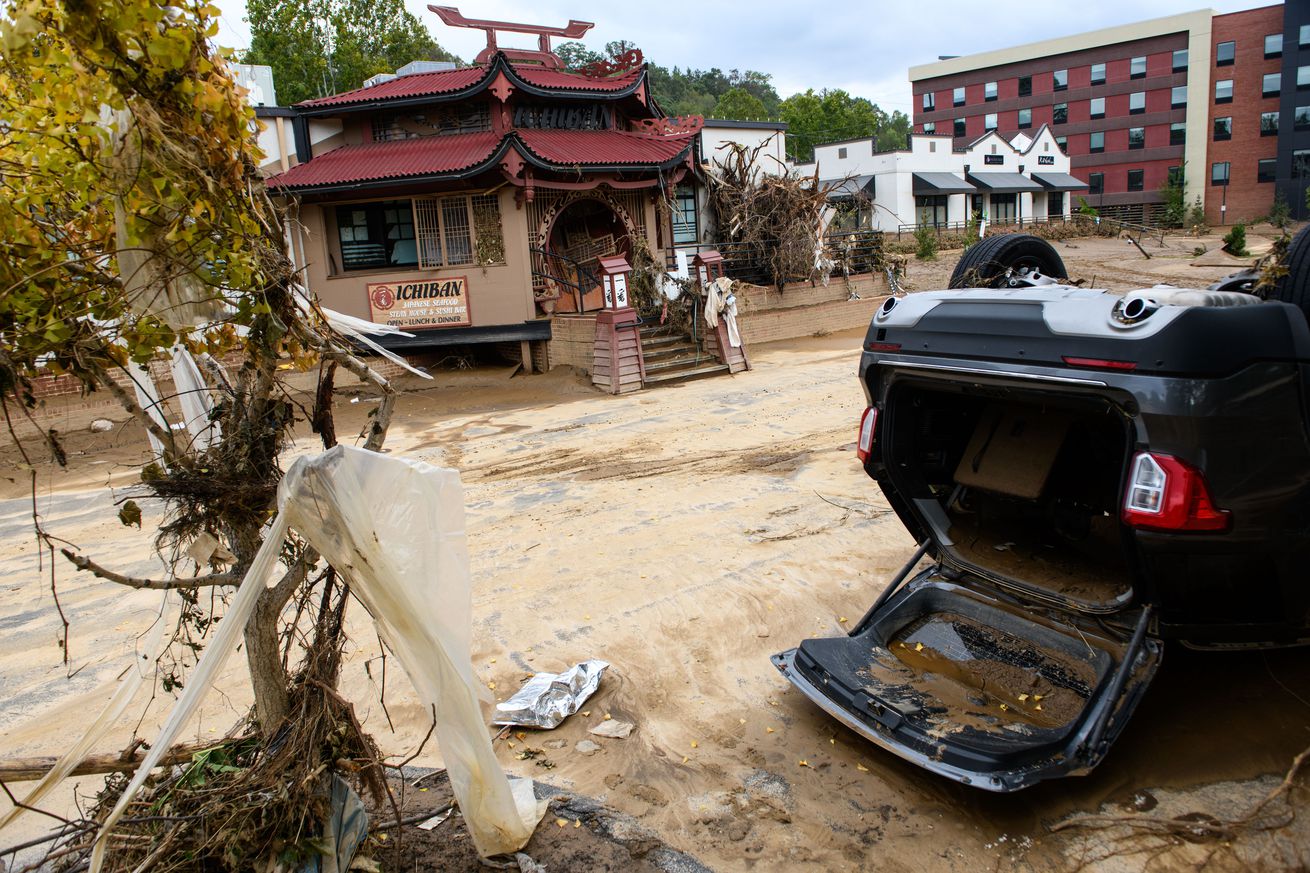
column 617, row 362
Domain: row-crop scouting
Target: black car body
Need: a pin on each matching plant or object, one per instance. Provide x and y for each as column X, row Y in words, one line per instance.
column 1091, row 475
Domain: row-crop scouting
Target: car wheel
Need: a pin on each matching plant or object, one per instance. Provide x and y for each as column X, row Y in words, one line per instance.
column 1294, row 288
column 1007, row 261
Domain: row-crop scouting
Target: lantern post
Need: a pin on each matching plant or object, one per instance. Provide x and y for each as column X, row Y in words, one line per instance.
column 617, row 362
column 708, row 268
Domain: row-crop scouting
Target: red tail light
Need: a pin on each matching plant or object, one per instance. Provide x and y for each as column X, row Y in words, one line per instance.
column 1167, row 494
column 868, row 422
column 1100, row 363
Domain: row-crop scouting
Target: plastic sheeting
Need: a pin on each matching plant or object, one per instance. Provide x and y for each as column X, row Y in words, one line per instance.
column 395, row 528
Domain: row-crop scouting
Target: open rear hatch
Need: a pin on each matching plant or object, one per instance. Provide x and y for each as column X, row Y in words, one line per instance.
column 1019, row 656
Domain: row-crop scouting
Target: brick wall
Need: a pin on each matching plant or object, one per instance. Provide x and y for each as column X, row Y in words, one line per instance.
column 573, row 339
column 765, row 315
column 1246, row 198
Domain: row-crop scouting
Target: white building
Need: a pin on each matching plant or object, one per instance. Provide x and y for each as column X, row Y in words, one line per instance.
column 1022, row 180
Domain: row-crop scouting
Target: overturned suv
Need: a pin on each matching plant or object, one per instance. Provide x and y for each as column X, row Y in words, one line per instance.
column 1089, row 475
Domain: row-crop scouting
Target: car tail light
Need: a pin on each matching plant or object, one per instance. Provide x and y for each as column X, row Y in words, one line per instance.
column 869, row 421
column 1167, row 494
column 1100, row 363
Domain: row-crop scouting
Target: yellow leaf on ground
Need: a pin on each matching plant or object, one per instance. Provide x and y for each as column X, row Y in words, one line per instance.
column 803, row 762
column 561, row 822
column 862, row 768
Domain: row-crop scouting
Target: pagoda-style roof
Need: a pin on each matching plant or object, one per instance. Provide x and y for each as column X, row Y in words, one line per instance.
column 460, row 84
column 460, row 156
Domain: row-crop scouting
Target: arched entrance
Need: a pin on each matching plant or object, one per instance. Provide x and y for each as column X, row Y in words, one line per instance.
column 576, row 233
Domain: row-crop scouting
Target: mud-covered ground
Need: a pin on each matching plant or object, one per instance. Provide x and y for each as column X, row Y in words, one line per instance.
column 684, row 535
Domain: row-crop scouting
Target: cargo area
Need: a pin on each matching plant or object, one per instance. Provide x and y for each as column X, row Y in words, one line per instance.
column 1021, row 487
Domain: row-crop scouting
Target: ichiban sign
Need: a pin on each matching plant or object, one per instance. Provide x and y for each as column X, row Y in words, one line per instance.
column 430, row 303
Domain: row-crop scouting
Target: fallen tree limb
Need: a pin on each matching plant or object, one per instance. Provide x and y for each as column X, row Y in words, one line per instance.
column 95, row 569
column 31, row 769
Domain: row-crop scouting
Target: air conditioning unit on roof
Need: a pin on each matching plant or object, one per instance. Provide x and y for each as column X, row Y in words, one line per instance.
column 414, row 67
column 378, row 79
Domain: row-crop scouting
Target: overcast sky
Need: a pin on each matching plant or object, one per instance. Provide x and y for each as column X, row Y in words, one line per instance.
column 863, row 48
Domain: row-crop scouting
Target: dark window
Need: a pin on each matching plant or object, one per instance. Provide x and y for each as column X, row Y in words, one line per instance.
column 989, row 91
column 377, row 235
column 1136, row 137
column 1274, row 45
column 1180, row 60
column 1098, row 74
column 1137, row 103
column 1266, row 170
column 1095, row 183
column 1004, row 208
column 1062, row 142
column 1224, row 53
column 1271, row 85
column 1137, row 68
column 930, row 210
column 929, row 101
column 1301, row 164
column 1301, row 121
column 841, row 152
column 1223, row 91
column 1178, row 97
column 930, row 127
column 1136, row 180
column 1219, row 173
column 1025, row 118
column 1178, row 133
column 1223, row 128
column 1269, row 124
column 1096, row 142
column 1060, row 113
column 684, row 215
column 1175, row 175
column 1096, row 107
column 960, row 127
column 1025, row 86
column 1060, row 80
column 989, row 121
column 958, row 96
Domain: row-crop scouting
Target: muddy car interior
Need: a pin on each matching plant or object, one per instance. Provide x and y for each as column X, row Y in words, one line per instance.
column 1021, row 487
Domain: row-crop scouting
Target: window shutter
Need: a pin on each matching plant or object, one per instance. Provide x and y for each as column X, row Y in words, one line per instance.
column 427, row 230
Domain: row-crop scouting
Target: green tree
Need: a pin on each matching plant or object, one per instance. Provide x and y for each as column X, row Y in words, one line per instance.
column 576, row 55
column 741, row 104
column 324, row 47
column 832, row 116
column 1174, row 199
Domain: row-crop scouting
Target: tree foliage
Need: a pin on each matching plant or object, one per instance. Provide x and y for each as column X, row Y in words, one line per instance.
column 834, row 115
column 738, row 103
column 319, row 47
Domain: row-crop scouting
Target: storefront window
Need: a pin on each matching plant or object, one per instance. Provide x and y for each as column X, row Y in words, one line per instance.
column 930, row 210
column 1004, row 208
column 1054, row 203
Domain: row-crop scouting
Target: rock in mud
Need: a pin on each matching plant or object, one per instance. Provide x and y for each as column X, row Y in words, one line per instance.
column 587, row 747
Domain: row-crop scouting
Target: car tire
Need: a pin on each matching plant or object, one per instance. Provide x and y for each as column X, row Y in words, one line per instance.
column 1294, row 288
column 988, row 262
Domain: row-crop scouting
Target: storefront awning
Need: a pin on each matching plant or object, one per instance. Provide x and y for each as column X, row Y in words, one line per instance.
column 1059, row 182
column 1004, row 183
column 855, row 186
column 940, row 183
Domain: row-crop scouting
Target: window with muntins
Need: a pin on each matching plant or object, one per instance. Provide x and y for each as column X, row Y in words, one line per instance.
column 374, row 236
column 1136, row 180
column 930, row 210
column 459, row 230
column 1225, row 53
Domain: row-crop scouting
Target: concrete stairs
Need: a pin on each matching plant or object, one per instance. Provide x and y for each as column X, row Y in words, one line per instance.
column 672, row 357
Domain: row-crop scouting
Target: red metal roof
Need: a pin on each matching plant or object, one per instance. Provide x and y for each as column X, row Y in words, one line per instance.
column 450, row 81
column 424, row 156
column 602, row 147
column 417, row 85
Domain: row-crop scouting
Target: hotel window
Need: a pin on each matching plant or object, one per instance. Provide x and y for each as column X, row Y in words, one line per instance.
column 1096, row 107
column 1096, row 183
column 1096, row 142
column 961, row 128
column 989, row 91
column 1274, row 45
column 684, row 215
column 989, row 121
column 1300, row 164
column 1060, row 113
column 1219, row 173
column 1025, row 118
column 1225, row 53
column 1301, row 120
column 1136, row 180
column 1025, row 86
column 1223, row 128
column 1178, row 97
column 1098, row 74
column 1178, row 133
column 1303, row 77
column 1304, row 39
column 1062, row 143
column 1180, row 60
column 1271, row 84
column 1175, row 175
column 1223, row 91
column 1266, row 170
column 1269, row 124
column 374, row 236
column 1136, row 137
column 929, row 101
column 958, row 96
column 1137, row 103
column 1137, row 68
column 930, row 127
column 1060, row 80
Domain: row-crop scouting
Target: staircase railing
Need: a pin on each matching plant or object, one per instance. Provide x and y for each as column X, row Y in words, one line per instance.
column 548, row 266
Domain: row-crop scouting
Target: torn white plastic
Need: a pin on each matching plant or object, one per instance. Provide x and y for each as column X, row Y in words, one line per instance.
column 360, row 330
column 142, row 666
column 194, row 398
column 395, row 528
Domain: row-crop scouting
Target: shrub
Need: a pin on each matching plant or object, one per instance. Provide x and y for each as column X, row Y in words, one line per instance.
column 1085, row 208
column 1280, row 213
column 971, row 229
column 1196, row 215
column 925, row 239
column 1235, row 241
column 1175, row 202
